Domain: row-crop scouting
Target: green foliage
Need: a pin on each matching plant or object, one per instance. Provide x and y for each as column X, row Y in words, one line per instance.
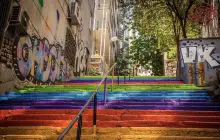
column 123, row 62
column 93, row 72
column 164, row 20
column 172, row 53
column 145, row 53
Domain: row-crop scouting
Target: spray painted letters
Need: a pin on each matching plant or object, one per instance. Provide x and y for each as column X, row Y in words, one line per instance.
column 200, row 59
column 38, row 61
column 199, row 54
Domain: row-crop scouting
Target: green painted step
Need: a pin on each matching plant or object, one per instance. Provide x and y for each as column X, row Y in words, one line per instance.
column 116, row 88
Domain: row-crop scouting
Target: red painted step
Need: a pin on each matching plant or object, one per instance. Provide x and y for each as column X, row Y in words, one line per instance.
column 110, row 112
column 112, row 118
column 54, row 123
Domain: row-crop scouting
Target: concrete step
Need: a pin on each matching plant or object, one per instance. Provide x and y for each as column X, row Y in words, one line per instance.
column 127, row 83
column 114, row 123
column 112, row 101
column 130, row 107
column 41, row 130
column 149, row 131
column 42, row 102
column 152, row 93
column 105, row 117
column 105, row 137
column 109, row 112
column 160, row 131
column 156, row 123
column 101, row 98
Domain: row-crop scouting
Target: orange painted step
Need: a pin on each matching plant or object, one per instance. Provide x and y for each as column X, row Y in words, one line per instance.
column 144, row 123
column 128, row 123
column 103, row 117
column 47, row 117
column 54, row 123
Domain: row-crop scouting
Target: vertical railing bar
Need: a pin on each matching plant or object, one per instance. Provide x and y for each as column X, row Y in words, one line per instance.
column 79, row 128
column 118, row 74
column 94, row 114
column 113, row 71
column 105, row 82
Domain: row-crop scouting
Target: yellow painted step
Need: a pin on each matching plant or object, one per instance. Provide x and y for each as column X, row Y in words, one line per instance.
column 160, row 131
column 106, row 137
column 41, row 130
column 122, row 133
column 21, row 137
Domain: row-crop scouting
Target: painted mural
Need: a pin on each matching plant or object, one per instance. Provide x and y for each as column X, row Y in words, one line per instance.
column 82, row 58
column 39, row 61
column 200, row 60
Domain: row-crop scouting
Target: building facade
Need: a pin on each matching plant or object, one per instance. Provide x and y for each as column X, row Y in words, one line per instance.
column 44, row 41
column 105, row 35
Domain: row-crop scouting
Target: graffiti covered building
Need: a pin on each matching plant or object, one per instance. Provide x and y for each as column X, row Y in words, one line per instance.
column 44, row 41
column 200, row 60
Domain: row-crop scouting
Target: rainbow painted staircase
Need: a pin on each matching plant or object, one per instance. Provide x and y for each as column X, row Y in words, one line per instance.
column 152, row 109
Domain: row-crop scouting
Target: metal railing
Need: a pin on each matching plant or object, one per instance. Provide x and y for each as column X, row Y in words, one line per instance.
column 79, row 115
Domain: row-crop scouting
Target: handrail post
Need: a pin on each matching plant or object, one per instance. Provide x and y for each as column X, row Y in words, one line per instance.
column 105, row 83
column 94, row 114
column 129, row 74
column 79, row 128
column 113, row 71
column 118, row 75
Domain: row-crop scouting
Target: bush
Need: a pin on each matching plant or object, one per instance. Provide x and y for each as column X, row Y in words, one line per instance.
column 93, row 72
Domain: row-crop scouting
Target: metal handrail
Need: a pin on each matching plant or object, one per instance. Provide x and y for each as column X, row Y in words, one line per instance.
column 79, row 115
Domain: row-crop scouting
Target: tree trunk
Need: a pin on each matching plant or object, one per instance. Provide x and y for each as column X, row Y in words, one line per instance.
column 178, row 56
column 183, row 28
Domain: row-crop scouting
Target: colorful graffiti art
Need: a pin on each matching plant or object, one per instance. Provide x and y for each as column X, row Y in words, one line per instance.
column 82, row 56
column 199, row 60
column 195, row 73
column 39, row 61
column 203, row 13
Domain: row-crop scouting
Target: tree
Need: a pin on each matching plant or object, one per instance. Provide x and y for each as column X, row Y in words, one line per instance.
column 145, row 53
column 123, row 62
column 167, row 20
column 178, row 10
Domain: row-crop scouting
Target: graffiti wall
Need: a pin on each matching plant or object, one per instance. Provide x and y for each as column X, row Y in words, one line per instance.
column 200, row 60
column 82, row 58
column 37, row 60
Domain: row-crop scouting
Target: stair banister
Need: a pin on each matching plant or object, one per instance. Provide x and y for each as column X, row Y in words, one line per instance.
column 79, row 115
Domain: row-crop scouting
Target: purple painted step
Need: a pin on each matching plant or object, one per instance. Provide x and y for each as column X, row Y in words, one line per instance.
column 136, row 107
column 166, row 107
